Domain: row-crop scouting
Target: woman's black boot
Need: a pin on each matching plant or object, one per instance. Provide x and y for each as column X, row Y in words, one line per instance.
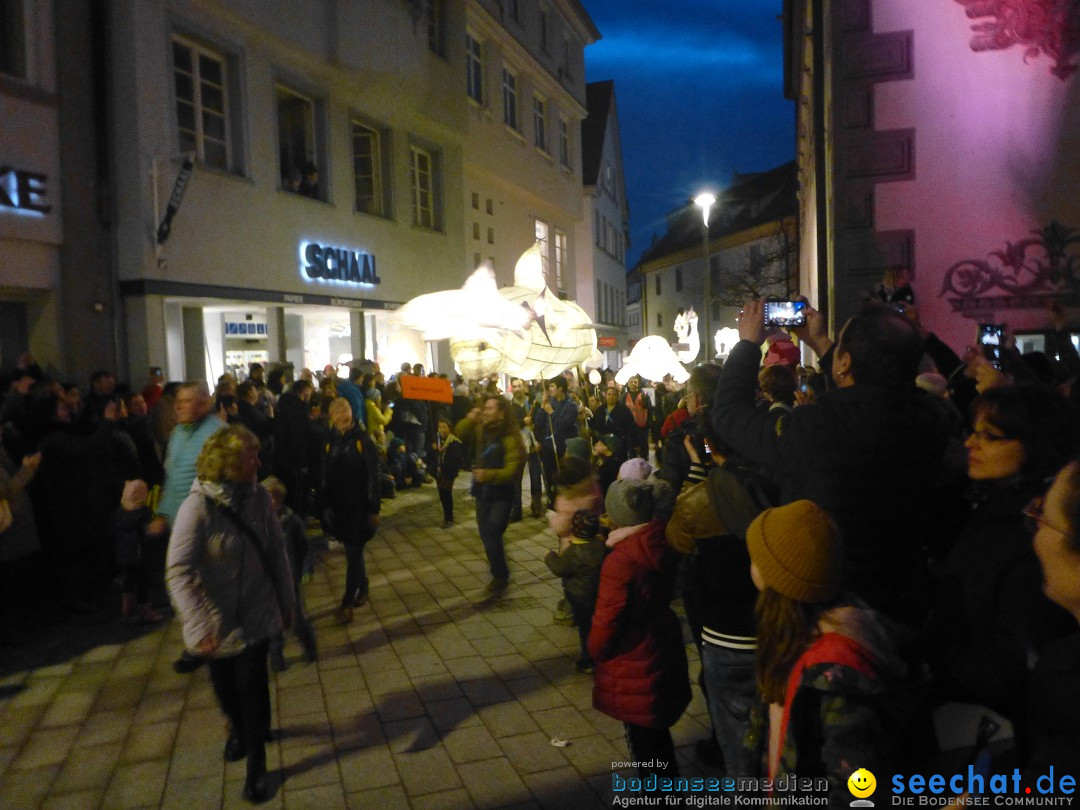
column 255, row 788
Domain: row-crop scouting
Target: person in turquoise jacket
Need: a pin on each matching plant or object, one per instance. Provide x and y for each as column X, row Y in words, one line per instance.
column 195, row 423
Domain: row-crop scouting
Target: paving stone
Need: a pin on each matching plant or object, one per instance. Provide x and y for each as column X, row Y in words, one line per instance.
column 156, row 707
column 464, row 669
column 87, row 768
column 388, row 798
column 593, row 755
column 150, row 742
column 470, row 744
column 365, row 768
column 452, row 713
column 197, row 761
column 310, row 765
column 121, row 693
column 45, row 747
column 17, row 723
column 492, row 783
column 565, row 722
column 416, row 734
column 426, row 771
column 185, row 794
column 445, row 800
column 25, row 789
column 137, row 785
column 79, row 800
column 562, row 788
column 532, row 752
column 505, row 719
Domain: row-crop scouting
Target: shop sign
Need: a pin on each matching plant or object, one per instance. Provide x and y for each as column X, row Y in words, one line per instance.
column 24, row 191
column 605, row 342
column 338, row 264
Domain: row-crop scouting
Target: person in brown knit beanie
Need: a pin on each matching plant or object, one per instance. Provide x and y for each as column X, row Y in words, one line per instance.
column 836, row 693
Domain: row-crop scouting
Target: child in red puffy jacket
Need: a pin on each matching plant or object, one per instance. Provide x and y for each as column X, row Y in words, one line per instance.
column 636, row 640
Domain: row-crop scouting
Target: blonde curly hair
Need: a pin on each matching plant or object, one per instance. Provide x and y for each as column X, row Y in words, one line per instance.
column 222, row 454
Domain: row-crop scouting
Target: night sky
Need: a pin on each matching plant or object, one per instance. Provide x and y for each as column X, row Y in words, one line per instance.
column 699, row 87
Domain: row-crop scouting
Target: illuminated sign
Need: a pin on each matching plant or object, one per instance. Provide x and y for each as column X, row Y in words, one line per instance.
column 23, row 191
column 335, row 264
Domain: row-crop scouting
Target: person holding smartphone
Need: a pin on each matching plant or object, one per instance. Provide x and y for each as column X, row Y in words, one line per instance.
column 867, row 451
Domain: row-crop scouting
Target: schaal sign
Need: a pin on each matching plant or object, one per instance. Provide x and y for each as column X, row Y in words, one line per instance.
column 338, row 264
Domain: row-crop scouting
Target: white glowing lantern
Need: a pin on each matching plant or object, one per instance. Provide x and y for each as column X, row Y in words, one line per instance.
column 559, row 334
column 477, row 311
column 686, row 330
column 725, row 340
column 652, row 358
column 594, row 377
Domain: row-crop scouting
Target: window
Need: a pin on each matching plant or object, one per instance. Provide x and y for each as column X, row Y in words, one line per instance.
column 678, row 279
column 568, row 51
column 545, row 247
column 475, row 201
column 476, row 260
column 560, row 261
column 659, row 320
column 491, row 236
column 490, row 206
column 202, row 117
column 12, row 39
column 474, row 69
column 715, row 310
column 515, row 10
column 510, row 113
column 424, row 181
column 540, row 123
column 476, row 230
column 714, row 271
column 657, row 283
column 368, row 170
column 598, row 231
column 607, row 180
column 433, row 20
column 599, row 300
column 564, row 143
column 296, row 143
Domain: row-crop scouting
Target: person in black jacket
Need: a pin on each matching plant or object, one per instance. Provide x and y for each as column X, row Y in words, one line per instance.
column 866, row 452
column 613, row 418
column 291, row 428
column 554, row 421
column 448, row 453
column 351, row 489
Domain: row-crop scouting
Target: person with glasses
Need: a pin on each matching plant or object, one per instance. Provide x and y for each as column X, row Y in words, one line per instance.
column 991, row 617
column 1053, row 710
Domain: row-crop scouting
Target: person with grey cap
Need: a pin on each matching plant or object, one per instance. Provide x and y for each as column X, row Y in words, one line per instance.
column 636, row 640
column 837, row 694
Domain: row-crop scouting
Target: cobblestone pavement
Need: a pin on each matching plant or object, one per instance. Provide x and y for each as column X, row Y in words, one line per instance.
column 431, row 698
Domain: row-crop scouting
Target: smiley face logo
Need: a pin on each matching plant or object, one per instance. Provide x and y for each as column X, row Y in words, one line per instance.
column 862, row 783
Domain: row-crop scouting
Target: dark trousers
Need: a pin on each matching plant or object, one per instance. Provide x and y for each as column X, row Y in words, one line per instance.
column 515, row 507
column 446, row 498
column 583, row 621
column 492, row 518
column 242, row 687
column 652, row 745
column 356, row 581
column 550, row 466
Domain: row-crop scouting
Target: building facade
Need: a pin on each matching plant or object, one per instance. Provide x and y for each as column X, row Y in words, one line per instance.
column 31, row 208
column 601, row 287
column 942, row 140
column 752, row 248
column 268, row 184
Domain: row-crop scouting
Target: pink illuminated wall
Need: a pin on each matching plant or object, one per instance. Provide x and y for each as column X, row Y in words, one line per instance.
column 997, row 146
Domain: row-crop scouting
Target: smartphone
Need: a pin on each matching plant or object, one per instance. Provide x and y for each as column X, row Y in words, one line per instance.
column 990, row 338
column 785, row 314
column 705, row 442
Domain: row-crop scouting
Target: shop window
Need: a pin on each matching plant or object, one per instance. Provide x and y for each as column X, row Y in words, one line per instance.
column 474, row 68
column 201, row 84
column 560, row 261
column 542, row 237
column 510, row 110
column 12, row 39
column 540, row 123
column 296, row 143
column 564, row 143
column 435, row 22
column 370, row 156
column 424, row 178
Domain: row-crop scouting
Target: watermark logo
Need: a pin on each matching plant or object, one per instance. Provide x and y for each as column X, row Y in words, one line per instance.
column 862, row 784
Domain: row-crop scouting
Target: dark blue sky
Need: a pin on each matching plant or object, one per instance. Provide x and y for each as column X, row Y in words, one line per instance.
column 699, row 87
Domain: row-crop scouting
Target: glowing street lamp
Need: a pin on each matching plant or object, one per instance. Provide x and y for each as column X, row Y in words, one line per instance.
column 706, row 200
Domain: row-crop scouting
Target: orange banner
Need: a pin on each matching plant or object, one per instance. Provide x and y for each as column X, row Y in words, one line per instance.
column 431, row 389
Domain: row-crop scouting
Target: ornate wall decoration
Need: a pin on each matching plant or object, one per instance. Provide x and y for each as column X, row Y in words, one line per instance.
column 1045, row 264
column 1050, row 27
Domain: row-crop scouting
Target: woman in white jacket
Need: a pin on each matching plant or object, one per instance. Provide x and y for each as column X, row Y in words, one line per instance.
column 228, row 575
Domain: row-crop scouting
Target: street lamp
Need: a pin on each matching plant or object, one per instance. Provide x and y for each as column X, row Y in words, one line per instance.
column 705, row 200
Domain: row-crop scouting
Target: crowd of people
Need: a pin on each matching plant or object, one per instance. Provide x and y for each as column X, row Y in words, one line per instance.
column 852, row 543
